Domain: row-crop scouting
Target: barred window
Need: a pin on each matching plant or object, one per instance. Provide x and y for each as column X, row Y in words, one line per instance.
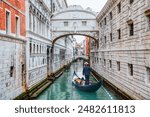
column 119, row 7
column 105, row 20
column 119, row 33
column 30, row 47
column 111, row 37
column 130, row 67
column 110, row 15
column 84, row 23
column 104, row 62
column 110, row 63
column 131, row 28
column 66, row 23
column 148, row 75
column 105, row 39
column 118, row 65
column 148, row 19
column 11, row 71
column 131, row 1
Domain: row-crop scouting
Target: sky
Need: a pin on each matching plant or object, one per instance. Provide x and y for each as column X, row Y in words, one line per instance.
column 95, row 5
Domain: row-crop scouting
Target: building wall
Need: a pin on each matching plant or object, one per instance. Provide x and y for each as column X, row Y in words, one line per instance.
column 87, row 39
column 39, row 41
column 12, row 49
column 130, row 52
column 16, row 8
column 63, row 52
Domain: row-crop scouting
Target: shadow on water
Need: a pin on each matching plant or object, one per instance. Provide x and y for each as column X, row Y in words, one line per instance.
column 62, row 88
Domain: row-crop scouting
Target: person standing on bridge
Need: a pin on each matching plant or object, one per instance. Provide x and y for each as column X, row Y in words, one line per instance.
column 86, row 72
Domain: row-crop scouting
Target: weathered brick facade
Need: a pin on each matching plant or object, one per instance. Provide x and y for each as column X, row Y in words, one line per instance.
column 16, row 8
column 123, row 57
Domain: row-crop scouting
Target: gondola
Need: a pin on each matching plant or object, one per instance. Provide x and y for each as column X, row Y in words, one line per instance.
column 78, row 82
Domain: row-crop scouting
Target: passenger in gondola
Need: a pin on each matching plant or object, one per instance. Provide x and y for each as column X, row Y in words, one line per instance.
column 86, row 72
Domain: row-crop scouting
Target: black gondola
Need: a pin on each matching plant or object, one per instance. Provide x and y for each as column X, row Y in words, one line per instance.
column 87, row 88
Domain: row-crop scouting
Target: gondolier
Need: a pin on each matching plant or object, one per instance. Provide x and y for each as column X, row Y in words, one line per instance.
column 79, row 84
column 86, row 72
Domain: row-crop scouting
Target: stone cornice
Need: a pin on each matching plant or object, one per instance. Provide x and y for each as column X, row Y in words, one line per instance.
column 64, row 11
column 105, row 9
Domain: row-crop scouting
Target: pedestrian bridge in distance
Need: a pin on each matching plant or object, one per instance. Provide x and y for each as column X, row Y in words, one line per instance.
column 74, row 20
column 81, row 56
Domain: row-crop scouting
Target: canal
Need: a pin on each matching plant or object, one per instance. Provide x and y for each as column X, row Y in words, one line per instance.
column 62, row 88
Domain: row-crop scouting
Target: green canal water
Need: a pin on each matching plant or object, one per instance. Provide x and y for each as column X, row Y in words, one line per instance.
column 62, row 89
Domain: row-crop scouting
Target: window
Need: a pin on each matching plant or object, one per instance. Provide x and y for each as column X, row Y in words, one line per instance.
column 65, row 23
column 119, row 7
column 131, row 1
column 40, row 48
column 37, row 49
column 33, row 48
column 30, row 47
column 84, row 23
column 43, row 61
column 17, row 26
column 105, row 20
column 119, row 33
column 11, row 71
column 148, row 75
column 118, row 66
column 148, row 20
column 110, row 64
column 34, row 23
column 7, row 22
column 30, row 21
column 130, row 67
column 110, row 15
column 111, row 37
column 131, row 29
column 100, row 24
column 105, row 39
column 104, row 62
column 54, row 8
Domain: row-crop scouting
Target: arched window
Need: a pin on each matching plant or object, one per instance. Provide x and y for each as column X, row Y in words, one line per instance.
column 37, row 49
column 40, row 48
column 33, row 48
column 30, row 48
column 43, row 61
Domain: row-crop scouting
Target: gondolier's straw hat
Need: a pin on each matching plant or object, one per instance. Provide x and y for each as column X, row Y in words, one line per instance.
column 86, row 63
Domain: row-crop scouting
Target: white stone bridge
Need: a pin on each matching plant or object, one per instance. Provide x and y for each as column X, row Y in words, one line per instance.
column 74, row 20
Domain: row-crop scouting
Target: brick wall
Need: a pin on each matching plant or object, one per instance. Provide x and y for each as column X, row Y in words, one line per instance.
column 15, row 7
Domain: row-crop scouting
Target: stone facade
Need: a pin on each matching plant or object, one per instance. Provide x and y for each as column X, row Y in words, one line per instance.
column 74, row 20
column 12, row 48
column 39, row 46
column 123, row 56
column 38, row 35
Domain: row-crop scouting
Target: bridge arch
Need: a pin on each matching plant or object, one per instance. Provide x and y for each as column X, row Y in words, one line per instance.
column 80, row 34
